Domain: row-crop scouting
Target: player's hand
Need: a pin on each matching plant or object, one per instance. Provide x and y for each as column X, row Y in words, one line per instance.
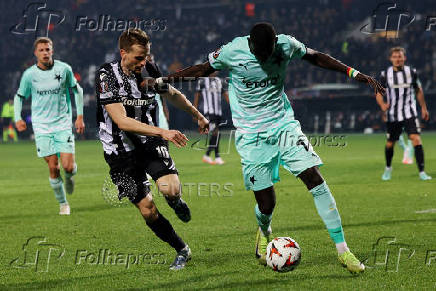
column 378, row 88
column 384, row 106
column 80, row 125
column 147, row 83
column 425, row 114
column 203, row 125
column 175, row 136
column 21, row 125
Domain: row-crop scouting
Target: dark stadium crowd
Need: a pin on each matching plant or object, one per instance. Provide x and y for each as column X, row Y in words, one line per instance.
column 184, row 32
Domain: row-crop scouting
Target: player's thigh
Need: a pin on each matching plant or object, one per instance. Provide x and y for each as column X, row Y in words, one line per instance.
column 296, row 151
column 128, row 175
column 412, row 127
column 45, row 145
column 157, row 160
column 259, row 160
column 394, row 130
column 64, row 141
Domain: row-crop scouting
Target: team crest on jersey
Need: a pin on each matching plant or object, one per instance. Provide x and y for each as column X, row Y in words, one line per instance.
column 216, row 53
column 103, row 82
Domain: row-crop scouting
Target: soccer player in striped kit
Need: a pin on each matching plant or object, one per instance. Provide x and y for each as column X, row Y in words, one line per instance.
column 209, row 91
column 402, row 89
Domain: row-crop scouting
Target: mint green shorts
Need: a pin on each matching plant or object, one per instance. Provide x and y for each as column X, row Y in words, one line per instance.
column 48, row 144
column 263, row 153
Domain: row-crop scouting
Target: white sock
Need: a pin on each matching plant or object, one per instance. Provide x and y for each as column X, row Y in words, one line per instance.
column 342, row 248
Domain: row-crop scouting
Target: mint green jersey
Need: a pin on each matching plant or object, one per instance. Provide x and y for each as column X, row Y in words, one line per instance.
column 256, row 90
column 51, row 102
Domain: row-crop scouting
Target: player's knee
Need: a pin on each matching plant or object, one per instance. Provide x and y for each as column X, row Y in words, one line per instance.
column 416, row 139
column 69, row 168
column 170, row 188
column 311, row 177
column 148, row 210
column 267, row 208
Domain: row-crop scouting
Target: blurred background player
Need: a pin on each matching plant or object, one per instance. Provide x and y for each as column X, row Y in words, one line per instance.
column 402, row 87
column 48, row 83
column 133, row 146
column 7, row 121
column 408, row 150
column 208, row 95
column 267, row 134
column 153, row 71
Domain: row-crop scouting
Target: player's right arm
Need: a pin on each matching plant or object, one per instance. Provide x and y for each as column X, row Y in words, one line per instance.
column 326, row 61
column 379, row 97
column 24, row 92
column 118, row 115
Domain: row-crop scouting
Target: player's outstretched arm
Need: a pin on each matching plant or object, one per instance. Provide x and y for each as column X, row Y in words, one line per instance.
column 180, row 101
column 118, row 114
column 189, row 73
column 327, row 62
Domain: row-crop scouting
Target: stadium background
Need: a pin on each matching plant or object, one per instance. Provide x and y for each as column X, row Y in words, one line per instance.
column 323, row 101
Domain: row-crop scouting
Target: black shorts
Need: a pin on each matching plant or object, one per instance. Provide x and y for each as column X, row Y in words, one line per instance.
column 214, row 121
column 129, row 170
column 394, row 129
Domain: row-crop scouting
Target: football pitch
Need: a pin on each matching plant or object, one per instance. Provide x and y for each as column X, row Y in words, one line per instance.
column 391, row 225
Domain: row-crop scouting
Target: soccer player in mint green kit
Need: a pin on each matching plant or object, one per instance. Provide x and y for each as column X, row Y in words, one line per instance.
column 267, row 134
column 47, row 83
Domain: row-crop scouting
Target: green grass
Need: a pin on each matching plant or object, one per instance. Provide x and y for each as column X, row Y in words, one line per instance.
column 221, row 233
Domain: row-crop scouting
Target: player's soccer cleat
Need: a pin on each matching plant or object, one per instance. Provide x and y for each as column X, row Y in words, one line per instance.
column 181, row 259
column 219, row 161
column 387, row 174
column 349, row 261
column 261, row 244
column 181, row 209
column 64, row 209
column 423, row 176
column 208, row 160
column 69, row 185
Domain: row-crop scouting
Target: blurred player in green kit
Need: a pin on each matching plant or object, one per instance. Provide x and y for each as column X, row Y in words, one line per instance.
column 267, row 134
column 48, row 83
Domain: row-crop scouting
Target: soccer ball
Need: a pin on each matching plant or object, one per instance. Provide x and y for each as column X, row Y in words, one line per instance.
column 283, row 254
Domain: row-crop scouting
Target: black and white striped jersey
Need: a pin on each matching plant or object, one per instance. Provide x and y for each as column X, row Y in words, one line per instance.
column 400, row 92
column 211, row 90
column 114, row 86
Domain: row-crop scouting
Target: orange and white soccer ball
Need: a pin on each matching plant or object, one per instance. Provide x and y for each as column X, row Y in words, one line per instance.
column 283, row 254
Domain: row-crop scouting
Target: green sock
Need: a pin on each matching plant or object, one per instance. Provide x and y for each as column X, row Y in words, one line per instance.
column 263, row 220
column 5, row 135
column 326, row 206
column 58, row 188
column 69, row 175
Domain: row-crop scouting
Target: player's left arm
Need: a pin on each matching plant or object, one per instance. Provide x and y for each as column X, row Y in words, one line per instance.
column 78, row 98
column 71, row 82
column 180, row 101
column 326, row 61
column 416, row 83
